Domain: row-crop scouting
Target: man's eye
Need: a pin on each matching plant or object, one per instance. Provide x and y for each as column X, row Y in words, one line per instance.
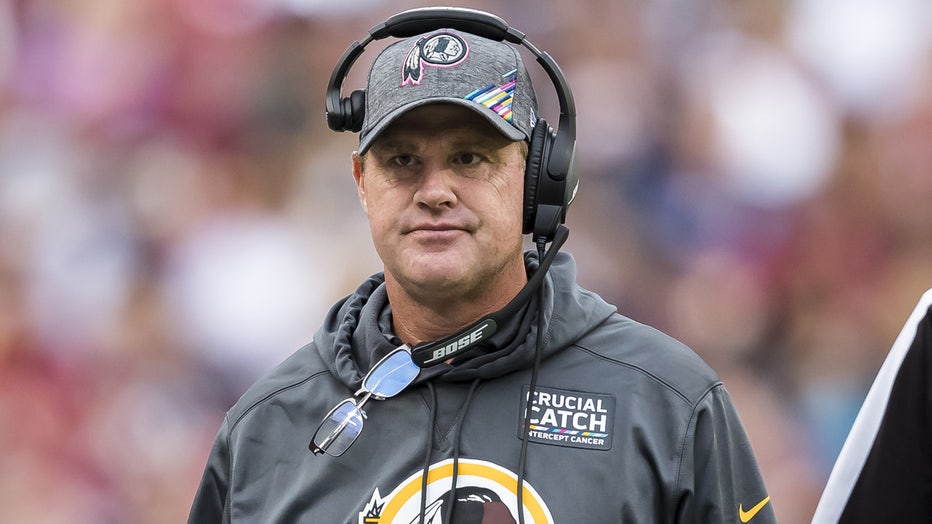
column 468, row 159
column 402, row 160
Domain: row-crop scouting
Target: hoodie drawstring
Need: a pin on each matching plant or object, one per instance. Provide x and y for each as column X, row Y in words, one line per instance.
column 451, row 501
column 432, row 407
column 460, row 417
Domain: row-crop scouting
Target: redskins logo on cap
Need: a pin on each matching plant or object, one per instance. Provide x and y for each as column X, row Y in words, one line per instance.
column 438, row 50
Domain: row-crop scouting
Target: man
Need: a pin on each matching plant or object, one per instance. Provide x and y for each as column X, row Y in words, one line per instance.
column 882, row 471
column 470, row 381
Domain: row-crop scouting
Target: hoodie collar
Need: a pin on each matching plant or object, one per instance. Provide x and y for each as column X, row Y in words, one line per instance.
column 358, row 329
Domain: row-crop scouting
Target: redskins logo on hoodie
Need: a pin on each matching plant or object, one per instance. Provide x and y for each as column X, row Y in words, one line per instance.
column 485, row 493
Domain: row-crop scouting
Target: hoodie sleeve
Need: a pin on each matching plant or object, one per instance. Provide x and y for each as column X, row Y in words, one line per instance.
column 719, row 477
column 211, row 501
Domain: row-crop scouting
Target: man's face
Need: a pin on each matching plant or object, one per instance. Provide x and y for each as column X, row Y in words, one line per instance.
column 444, row 192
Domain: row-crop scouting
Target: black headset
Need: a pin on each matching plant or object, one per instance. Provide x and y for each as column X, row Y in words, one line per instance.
column 550, row 179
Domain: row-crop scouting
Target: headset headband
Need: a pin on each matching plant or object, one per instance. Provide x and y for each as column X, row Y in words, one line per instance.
column 422, row 20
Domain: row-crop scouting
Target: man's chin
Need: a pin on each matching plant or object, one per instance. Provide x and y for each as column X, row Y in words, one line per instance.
column 439, row 282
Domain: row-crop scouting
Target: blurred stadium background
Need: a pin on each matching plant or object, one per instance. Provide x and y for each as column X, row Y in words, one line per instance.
column 175, row 216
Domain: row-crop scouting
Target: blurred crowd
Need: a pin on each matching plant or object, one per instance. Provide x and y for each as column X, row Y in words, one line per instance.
column 176, row 218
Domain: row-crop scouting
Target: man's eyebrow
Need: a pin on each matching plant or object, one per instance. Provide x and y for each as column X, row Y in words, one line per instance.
column 390, row 145
column 396, row 144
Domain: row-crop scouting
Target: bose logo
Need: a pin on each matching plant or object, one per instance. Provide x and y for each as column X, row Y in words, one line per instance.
column 468, row 340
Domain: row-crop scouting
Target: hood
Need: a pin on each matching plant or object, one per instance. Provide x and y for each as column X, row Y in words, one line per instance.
column 358, row 329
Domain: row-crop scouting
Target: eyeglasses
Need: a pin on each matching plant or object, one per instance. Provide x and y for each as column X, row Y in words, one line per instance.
column 387, row 378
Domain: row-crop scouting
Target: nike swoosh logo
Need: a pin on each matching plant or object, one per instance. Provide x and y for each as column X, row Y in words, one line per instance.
column 746, row 516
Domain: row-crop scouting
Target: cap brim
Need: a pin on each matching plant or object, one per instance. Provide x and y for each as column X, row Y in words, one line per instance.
column 499, row 123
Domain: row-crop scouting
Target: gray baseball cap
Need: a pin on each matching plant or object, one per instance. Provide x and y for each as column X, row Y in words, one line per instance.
column 451, row 67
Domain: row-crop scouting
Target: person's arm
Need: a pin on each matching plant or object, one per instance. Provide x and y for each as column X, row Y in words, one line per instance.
column 719, row 475
column 211, row 501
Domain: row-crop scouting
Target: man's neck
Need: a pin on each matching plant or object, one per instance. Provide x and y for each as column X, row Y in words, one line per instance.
column 416, row 321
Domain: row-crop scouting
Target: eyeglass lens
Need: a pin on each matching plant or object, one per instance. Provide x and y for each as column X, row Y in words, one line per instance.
column 391, row 374
column 340, row 429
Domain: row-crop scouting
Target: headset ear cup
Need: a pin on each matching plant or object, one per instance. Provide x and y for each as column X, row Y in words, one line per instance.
column 353, row 108
column 335, row 117
column 346, row 114
column 352, row 111
column 540, row 139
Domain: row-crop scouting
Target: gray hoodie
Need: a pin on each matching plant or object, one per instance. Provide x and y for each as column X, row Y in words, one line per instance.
column 627, row 425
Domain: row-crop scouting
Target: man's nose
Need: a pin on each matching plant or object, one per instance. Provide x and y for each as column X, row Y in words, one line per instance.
column 437, row 187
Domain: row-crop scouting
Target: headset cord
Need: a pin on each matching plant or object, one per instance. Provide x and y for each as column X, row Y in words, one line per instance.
column 541, row 242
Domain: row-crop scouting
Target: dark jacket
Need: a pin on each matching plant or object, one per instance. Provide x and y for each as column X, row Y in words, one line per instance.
column 628, row 426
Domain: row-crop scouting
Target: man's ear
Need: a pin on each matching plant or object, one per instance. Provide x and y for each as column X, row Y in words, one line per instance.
column 360, row 179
